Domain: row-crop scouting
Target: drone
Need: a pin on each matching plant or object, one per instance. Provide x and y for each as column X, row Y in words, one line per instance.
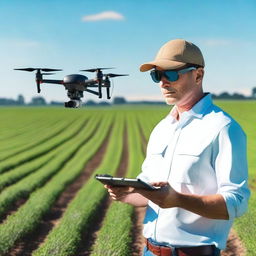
column 76, row 84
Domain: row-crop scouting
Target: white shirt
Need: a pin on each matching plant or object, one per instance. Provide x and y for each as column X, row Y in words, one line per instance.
column 203, row 153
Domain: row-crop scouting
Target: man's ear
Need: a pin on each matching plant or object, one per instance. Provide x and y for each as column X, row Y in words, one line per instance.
column 199, row 75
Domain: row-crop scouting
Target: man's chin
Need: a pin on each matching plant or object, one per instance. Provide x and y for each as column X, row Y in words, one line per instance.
column 170, row 101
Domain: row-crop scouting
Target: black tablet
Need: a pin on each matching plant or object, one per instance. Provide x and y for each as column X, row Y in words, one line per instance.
column 123, row 182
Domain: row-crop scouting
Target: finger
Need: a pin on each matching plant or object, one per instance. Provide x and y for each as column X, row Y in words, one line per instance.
column 113, row 194
column 117, row 197
column 121, row 189
column 159, row 183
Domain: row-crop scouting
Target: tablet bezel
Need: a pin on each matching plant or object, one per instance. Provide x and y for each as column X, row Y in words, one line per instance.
column 123, row 182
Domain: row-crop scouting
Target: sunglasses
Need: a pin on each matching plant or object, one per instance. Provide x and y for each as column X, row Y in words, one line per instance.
column 170, row 75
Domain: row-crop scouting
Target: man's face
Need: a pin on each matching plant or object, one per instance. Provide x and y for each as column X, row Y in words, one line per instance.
column 183, row 90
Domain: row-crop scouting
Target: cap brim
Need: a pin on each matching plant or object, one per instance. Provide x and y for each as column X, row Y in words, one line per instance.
column 164, row 64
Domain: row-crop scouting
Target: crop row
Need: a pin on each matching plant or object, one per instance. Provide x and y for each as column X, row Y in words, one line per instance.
column 10, row 137
column 40, row 150
column 66, row 237
column 38, row 178
column 30, row 141
column 117, row 226
column 26, row 219
column 20, row 123
column 25, row 169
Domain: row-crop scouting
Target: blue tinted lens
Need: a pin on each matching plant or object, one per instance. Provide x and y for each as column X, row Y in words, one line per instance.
column 171, row 75
column 155, row 75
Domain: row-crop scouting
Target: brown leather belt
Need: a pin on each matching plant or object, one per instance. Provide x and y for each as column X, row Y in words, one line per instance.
column 206, row 250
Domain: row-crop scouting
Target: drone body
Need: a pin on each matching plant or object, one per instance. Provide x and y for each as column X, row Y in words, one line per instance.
column 76, row 84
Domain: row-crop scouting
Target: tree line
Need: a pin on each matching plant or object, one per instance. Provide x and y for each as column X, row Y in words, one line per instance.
column 40, row 101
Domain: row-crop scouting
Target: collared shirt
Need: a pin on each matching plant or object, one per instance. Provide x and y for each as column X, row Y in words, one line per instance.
column 202, row 153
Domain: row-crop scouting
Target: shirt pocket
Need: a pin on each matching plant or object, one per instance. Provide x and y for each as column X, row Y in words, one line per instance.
column 190, row 162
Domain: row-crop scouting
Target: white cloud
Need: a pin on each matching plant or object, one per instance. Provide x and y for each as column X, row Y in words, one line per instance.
column 108, row 15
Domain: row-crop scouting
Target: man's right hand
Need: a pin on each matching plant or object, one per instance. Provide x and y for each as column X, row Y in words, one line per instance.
column 127, row 195
column 118, row 193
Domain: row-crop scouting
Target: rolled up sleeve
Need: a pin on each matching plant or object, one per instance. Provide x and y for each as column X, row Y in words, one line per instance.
column 231, row 169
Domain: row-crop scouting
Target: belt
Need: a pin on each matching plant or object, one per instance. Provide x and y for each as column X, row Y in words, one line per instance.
column 206, row 250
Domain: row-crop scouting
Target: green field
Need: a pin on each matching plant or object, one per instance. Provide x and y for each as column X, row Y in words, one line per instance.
column 49, row 157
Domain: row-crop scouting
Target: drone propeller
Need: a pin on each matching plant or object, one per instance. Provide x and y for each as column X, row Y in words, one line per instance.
column 47, row 74
column 114, row 75
column 25, row 69
column 50, row 69
column 39, row 75
column 94, row 69
column 38, row 69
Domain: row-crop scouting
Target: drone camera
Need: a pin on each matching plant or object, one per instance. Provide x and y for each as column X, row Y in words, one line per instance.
column 72, row 104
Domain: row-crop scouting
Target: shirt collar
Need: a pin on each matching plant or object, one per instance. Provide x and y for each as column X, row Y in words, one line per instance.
column 196, row 111
column 199, row 109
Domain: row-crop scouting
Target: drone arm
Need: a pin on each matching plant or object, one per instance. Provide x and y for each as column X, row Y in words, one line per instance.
column 50, row 81
column 91, row 91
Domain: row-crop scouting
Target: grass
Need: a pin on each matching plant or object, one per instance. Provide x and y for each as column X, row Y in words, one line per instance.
column 64, row 239
column 26, row 219
column 244, row 113
column 18, row 127
column 117, row 226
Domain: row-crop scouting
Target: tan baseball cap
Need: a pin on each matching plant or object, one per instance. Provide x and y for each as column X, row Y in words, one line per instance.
column 175, row 54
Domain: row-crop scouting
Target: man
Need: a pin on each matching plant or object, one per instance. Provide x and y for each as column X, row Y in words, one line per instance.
column 196, row 155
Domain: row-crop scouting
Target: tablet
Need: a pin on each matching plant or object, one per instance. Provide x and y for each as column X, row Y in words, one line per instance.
column 123, row 182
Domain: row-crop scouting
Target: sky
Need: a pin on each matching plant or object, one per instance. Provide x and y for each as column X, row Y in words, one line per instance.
column 75, row 35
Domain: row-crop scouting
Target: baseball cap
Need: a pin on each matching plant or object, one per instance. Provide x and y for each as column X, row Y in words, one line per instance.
column 175, row 54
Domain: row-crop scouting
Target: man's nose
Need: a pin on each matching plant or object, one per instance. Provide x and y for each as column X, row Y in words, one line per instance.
column 164, row 82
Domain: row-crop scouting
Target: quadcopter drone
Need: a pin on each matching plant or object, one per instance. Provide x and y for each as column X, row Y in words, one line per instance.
column 76, row 84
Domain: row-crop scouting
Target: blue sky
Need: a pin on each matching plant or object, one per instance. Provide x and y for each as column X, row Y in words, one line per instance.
column 124, row 34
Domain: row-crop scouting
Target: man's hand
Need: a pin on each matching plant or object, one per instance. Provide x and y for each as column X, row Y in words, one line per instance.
column 119, row 193
column 164, row 197
column 127, row 195
column 209, row 206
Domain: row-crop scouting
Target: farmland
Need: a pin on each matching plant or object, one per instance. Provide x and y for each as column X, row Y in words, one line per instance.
column 50, row 203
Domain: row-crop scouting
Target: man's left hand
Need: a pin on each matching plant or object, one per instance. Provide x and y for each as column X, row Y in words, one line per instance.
column 164, row 197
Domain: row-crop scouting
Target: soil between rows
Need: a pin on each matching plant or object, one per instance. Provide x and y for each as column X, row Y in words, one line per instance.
column 35, row 239
column 18, row 203
column 90, row 236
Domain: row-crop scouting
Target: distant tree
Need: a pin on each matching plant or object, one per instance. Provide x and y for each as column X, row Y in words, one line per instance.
column 119, row 100
column 20, row 100
column 4, row 102
column 56, row 103
column 90, row 103
column 38, row 101
column 104, row 103
column 254, row 92
column 238, row 96
column 224, row 95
